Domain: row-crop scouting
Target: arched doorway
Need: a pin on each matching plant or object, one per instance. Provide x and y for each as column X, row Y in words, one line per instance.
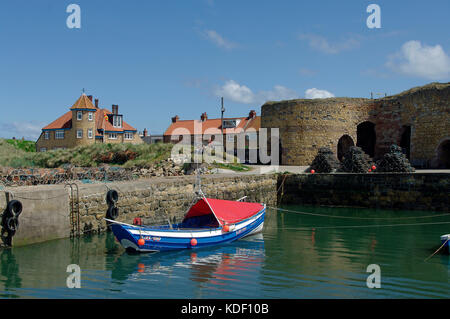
column 344, row 143
column 366, row 137
column 443, row 154
column 405, row 140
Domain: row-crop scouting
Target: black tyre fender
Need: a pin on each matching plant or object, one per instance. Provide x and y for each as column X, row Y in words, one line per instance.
column 112, row 213
column 14, row 208
column 112, row 196
column 12, row 224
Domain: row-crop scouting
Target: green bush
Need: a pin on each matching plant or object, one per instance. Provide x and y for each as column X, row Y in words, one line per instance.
column 27, row 146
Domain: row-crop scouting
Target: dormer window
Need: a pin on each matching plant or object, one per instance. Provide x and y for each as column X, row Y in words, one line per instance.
column 79, row 115
column 230, row 123
column 117, row 120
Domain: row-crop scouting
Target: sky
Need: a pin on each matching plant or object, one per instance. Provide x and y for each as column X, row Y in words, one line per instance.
column 158, row 59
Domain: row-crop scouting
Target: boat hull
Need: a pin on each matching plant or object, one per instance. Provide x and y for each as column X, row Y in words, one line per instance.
column 173, row 239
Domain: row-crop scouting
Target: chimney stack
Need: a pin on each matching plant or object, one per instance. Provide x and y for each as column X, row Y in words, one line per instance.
column 175, row 119
column 115, row 109
column 252, row 114
column 204, row 117
column 90, row 97
column 145, row 132
column 96, row 103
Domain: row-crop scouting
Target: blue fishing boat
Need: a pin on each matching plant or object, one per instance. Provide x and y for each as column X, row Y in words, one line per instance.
column 208, row 222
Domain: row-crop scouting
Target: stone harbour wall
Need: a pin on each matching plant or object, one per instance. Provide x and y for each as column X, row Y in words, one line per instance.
column 407, row 191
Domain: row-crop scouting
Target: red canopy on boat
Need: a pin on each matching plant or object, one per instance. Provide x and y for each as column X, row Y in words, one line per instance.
column 226, row 211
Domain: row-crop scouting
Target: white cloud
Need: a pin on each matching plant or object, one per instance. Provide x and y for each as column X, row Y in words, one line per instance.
column 321, row 44
column 419, row 60
column 317, row 94
column 278, row 93
column 30, row 130
column 236, row 92
column 218, row 40
column 242, row 94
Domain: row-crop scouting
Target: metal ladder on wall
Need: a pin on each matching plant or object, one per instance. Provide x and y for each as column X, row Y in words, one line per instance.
column 74, row 210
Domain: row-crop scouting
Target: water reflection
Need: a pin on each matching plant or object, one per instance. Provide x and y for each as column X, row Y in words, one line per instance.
column 215, row 265
column 9, row 271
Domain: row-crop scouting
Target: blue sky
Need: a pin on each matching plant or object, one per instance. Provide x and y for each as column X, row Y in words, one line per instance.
column 157, row 59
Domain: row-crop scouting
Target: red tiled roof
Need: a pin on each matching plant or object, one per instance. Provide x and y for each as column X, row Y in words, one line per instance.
column 62, row 122
column 83, row 102
column 212, row 126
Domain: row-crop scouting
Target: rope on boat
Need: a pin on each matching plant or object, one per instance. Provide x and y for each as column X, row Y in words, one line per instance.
column 448, row 238
column 352, row 217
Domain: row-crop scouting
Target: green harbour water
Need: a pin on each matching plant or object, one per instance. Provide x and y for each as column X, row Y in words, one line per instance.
column 296, row 256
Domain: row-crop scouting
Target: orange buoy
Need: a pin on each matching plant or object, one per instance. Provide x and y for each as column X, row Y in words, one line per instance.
column 313, row 171
column 141, row 242
column 193, row 242
column 226, row 228
column 374, row 167
column 370, row 170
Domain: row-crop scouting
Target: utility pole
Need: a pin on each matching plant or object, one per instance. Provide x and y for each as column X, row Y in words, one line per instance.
column 223, row 111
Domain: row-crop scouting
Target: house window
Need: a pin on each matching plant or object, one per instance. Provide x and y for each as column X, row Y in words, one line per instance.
column 117, row 121
column 90, row 133
column 43, row 149
column 90, row 116
column 79, row 115
column 79, row 133
column 47, row 135
column 112, row 136
column 229, row 123
column 59, row 135
column 128, row 135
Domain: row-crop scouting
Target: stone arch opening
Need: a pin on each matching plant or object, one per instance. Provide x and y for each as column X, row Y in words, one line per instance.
column 405, row 140
column 344, row 143
column 443, row 154
column 366, row 137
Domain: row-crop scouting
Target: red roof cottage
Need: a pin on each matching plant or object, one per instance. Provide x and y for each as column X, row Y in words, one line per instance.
column 84, row 124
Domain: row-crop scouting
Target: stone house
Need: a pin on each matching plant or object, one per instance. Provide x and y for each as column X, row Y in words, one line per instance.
column 240, row 132
column 85, row 124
